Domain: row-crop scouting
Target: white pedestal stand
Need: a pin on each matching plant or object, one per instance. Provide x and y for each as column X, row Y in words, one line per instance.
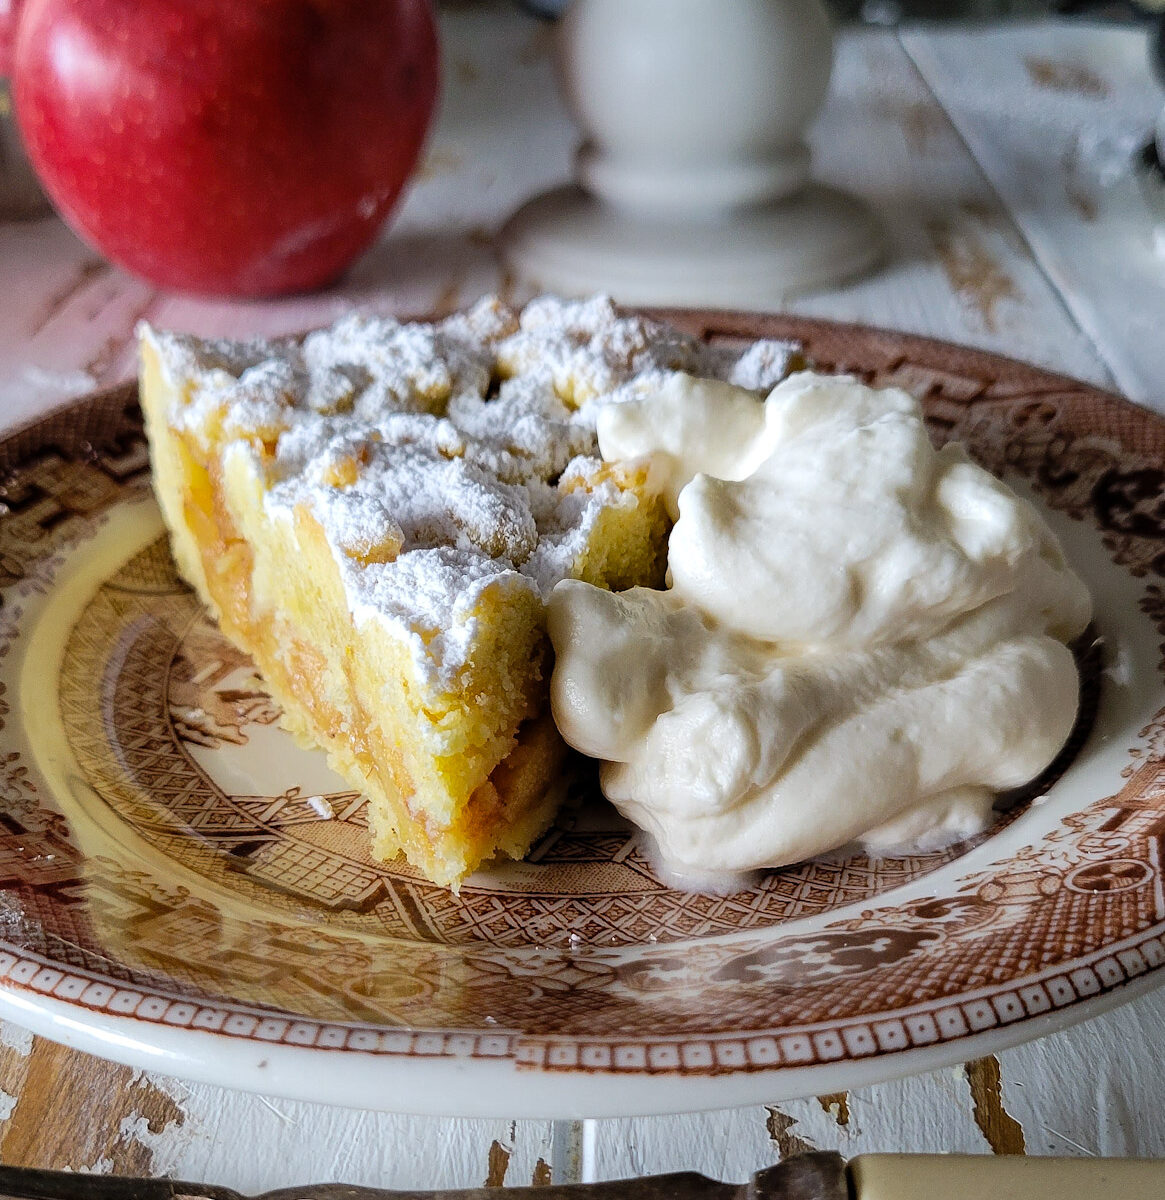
column 693, row 175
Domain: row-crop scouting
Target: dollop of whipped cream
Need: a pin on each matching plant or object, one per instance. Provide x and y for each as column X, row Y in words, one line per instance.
column 863, row 638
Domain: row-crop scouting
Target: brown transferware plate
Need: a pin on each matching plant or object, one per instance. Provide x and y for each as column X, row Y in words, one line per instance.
column 185, row 888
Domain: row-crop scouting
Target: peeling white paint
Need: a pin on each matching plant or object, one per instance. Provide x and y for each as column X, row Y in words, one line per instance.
column 103, row 1166
column 165, row 1147
column 176, row 1089
column 290, row 1142
column 16, row 1038
column 285, row 1117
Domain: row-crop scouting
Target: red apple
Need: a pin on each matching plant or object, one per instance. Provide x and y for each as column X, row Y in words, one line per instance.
column 7, row 34
column 229, row 147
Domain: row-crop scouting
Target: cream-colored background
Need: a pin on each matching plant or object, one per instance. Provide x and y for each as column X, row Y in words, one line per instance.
column 996, row 158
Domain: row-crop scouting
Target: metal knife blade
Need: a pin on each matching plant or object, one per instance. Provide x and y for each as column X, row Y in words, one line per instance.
column 814, row 1176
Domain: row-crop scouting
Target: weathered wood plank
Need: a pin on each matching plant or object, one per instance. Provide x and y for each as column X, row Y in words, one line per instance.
column 1094, row 1089
column 71, row 1111
column 1054, row 114
column 959, row 268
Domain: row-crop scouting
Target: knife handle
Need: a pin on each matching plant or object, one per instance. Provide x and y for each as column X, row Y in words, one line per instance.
column 1008, row 1177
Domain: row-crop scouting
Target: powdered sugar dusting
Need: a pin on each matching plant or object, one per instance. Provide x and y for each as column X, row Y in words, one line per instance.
column 440, row 458
column 763, row 365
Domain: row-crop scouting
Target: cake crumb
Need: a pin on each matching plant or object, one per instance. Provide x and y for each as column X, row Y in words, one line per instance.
column 321, row 806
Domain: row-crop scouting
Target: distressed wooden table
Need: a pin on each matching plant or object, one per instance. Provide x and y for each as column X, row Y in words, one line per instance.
column 999, row 162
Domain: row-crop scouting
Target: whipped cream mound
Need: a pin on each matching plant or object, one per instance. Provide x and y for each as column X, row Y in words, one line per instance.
column 864, row 638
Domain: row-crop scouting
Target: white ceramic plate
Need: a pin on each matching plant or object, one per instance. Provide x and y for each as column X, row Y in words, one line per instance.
column 173, row 897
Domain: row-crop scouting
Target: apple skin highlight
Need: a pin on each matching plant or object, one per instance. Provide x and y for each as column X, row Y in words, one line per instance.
column 224, row 147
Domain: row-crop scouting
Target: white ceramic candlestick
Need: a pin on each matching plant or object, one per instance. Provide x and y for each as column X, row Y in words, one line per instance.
column 693, row 176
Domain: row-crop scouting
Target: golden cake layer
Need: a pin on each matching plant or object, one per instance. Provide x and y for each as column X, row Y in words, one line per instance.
column 376, row 514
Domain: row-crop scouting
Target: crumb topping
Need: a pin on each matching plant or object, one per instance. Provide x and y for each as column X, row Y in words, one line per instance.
column 441, row 459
